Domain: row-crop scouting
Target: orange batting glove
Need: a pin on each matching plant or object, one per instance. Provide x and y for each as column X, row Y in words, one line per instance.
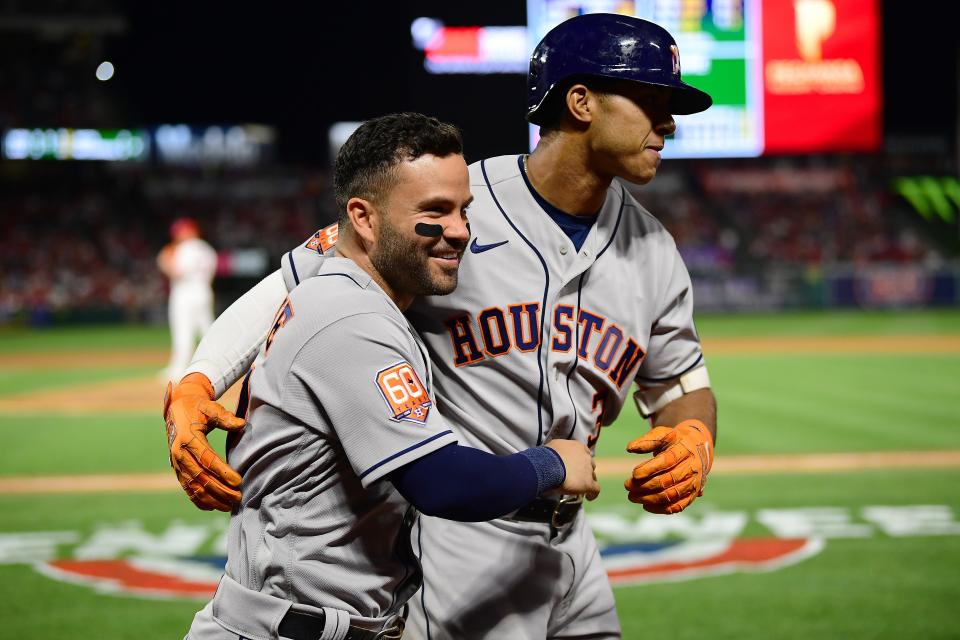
column 190, row 413
column 677, row 473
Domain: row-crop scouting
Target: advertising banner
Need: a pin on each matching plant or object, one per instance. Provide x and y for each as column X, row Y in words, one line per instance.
column 821, row 70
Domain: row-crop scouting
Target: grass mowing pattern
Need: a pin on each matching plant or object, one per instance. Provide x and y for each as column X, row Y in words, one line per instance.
column 20, row 380
column 875, row 587
column 824, row 403
column 64, row 445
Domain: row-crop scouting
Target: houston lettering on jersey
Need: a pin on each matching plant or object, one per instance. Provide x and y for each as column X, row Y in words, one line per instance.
column 495, row 331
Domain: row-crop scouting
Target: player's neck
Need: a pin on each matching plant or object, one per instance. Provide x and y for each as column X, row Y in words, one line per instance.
column 560, row 173
column 348, row 247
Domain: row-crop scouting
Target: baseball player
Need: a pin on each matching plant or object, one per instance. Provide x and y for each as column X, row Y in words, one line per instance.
column 190, row 264
column 570, row 293
column 342, row 423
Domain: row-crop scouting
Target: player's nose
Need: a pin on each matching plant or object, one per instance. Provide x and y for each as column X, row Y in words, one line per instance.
column 667, row 126
column 457, row 230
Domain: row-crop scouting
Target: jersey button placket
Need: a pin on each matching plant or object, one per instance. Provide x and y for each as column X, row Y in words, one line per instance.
column 563, row 249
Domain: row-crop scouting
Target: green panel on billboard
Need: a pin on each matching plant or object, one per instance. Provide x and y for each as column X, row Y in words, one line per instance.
column 728, row 35
column 726, row 82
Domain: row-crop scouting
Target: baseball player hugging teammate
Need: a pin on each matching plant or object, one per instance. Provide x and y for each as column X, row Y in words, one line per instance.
column 343, row 430
column 570, row 293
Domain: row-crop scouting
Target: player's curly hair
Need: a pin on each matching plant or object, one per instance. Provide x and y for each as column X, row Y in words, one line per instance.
column 365, row 166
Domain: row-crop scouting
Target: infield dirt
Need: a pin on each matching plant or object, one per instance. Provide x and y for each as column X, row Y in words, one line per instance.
column 139, row 394
column 144, row 393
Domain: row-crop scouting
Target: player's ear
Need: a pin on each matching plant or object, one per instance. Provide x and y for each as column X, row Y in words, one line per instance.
column 362, row 213
column 581, row 102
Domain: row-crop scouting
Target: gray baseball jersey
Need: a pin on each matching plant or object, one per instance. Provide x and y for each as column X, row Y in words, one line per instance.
column 339, row 398
column 538, row 341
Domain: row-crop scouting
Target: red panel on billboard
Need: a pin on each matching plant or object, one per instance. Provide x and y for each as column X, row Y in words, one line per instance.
column 455, row 41
column 821, row 76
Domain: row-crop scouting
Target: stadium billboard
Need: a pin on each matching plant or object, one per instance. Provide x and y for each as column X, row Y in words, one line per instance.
column 821, row 89
column 786, row 76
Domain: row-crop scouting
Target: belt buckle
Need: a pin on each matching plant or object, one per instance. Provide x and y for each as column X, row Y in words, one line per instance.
column 558, row 511
column 394, row 631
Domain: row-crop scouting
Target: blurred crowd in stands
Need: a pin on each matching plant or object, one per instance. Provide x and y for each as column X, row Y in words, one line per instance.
column 769, row 233
column 82, row 238
column 90, row 242
column 749, row 215
column 92, row 249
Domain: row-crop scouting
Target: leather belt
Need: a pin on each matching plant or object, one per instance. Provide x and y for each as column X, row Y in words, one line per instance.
column 559, row 514
column 303, row 626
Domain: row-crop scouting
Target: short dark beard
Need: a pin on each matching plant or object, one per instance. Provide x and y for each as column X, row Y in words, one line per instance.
column 404, row 267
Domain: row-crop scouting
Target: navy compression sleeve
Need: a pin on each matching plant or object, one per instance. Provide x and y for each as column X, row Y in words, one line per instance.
column 461, row 483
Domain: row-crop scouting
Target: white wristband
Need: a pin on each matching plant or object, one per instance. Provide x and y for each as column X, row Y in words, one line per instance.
column 652, row 399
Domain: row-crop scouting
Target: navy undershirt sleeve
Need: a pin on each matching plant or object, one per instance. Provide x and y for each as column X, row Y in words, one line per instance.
column 466, row 484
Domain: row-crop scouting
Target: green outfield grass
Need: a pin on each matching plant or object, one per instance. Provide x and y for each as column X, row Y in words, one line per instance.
column 57, row 445
column 824, row 403
column 37, row 379
column 871, row 585
column 875, row 586
column 834, row 323
column 20, row 340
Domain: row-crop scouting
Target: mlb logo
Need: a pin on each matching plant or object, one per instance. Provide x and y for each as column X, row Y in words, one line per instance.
column 406, row 397
column 675, row 58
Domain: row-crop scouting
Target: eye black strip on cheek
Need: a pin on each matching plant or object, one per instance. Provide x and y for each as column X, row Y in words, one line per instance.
column 428, row 230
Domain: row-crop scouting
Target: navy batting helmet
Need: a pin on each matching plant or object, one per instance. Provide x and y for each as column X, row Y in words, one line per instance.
column 611, row 46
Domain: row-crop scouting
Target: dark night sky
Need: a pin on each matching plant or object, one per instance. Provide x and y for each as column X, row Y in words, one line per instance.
column 302, row 68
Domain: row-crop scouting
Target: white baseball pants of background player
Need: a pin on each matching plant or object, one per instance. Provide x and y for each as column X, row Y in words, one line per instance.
column 190, row 313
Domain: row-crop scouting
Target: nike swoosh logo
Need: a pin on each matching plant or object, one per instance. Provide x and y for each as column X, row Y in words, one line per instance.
column 475, row 247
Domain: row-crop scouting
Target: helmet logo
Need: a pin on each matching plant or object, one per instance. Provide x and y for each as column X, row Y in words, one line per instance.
column 675, row 55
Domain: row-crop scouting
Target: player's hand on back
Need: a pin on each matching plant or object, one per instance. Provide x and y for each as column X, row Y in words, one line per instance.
column 581, row 469
column 190, row 413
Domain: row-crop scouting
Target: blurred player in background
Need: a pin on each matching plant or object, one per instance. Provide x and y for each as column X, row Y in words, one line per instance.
column 190, row 264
